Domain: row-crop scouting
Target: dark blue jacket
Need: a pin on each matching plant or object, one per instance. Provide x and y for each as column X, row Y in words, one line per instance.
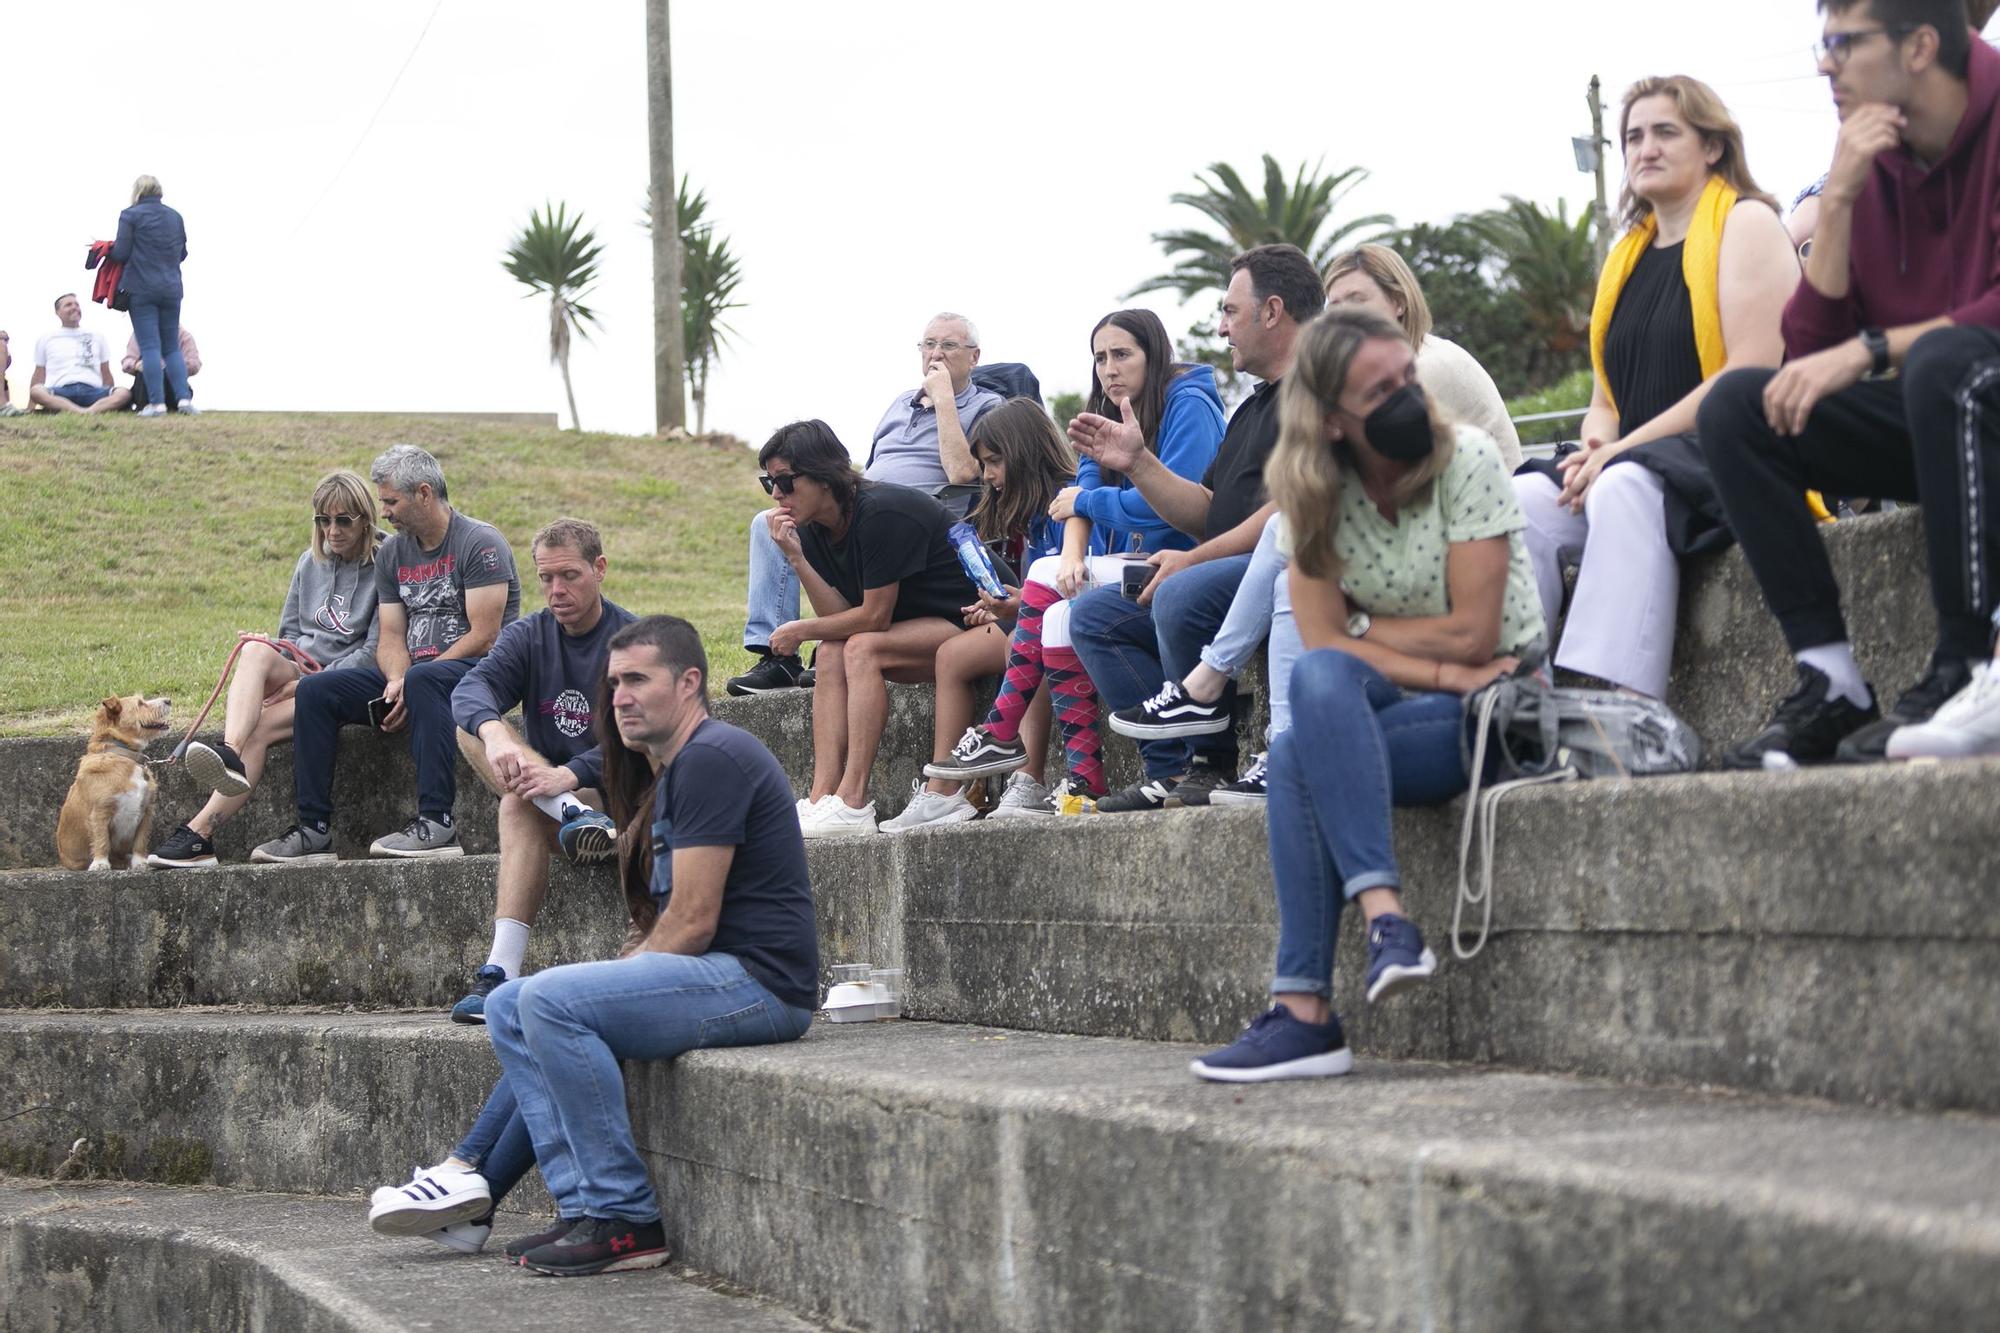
column 557, row 690
column 152, row 242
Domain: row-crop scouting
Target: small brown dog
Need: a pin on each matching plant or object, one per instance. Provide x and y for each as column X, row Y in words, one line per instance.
column 109, row 809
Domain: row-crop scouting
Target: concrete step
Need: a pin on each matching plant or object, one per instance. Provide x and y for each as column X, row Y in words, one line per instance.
column 910, row 1175
column 115, row 1257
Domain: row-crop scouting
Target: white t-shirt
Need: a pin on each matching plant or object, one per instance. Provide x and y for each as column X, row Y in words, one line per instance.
column 72, row 356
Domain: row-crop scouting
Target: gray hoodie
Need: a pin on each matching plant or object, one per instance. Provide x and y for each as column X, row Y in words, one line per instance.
column 330, row 612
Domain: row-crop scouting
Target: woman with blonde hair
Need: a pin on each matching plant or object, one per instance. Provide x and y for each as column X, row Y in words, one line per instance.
column 329, row 613
column 1411, row 588
column 152, row 242
column 1695, row 287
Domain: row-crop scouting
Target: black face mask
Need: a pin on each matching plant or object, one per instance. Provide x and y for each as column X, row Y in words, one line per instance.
column 1400, row 428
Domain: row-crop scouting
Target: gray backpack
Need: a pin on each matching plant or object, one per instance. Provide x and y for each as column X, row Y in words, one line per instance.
column 1536, row 733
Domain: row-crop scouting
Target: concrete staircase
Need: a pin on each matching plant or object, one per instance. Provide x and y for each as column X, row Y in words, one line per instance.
column 1726, row 1063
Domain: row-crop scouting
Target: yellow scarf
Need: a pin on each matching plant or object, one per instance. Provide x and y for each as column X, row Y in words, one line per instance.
column 1701, row 262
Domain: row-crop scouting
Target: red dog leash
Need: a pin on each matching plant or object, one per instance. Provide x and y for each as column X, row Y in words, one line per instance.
column 305, row 661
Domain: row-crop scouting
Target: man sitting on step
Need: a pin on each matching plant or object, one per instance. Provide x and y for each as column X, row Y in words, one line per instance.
column 550, row 665
column 732, row 959
column 1892, row 381
column 445, row 587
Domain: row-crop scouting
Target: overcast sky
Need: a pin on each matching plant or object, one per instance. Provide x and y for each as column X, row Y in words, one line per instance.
column 871, row 164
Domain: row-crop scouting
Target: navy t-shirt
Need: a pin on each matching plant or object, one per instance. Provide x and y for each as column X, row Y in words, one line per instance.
column 724, row 789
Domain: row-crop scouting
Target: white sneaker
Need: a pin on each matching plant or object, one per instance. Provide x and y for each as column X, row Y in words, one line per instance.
column 836, row 819
column 1968, row 723
column 436, row 1198
column 806, row 808
column 188, row 409
column 465, row 1237
column 153, row 410
column 1023, row 797
column 929, row 807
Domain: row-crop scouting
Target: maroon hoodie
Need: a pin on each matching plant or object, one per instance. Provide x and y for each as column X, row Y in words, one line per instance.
column 1926, row 243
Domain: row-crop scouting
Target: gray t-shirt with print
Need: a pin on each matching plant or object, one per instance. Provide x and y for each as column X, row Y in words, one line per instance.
column 431, row 585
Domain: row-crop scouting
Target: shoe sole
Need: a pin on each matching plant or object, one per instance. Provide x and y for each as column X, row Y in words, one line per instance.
column 628, row 1264
column 747, row 691
column 593, row 845
column 456, row 1243
column 408, row 1220
column 983, row 768
column 1397, row 979
column 163, row 863
column 206, row 767
column 1234, row 798
column 470, row 1020
column 1018, row 812
column 1166, row 731
column 432, row 854
column 264, row 858
column 1925, row 747
column 837, row 830
column 958, row 815
column 1331, row 1065
column 1104, row 809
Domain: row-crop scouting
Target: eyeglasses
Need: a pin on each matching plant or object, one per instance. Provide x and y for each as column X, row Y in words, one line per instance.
column 948, row 346
column 1836, row 47
column 341, row 521
column 781, row 484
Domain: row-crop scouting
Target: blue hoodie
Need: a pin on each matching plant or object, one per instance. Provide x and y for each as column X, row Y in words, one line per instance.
column 554, row 677
column 1190, row 429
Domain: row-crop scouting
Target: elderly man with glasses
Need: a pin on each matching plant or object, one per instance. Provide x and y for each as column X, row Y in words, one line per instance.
column 920, row 443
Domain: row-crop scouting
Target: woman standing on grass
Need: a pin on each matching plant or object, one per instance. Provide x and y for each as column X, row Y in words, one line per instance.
column 1411, row 588
column 330, row 613
column 152, row 242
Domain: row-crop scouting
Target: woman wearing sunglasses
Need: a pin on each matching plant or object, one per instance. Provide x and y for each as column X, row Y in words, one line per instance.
column 886, row 590
column 330, row 613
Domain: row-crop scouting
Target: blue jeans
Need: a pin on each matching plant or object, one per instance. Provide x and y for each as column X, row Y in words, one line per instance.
column 156, row 323
column 1371, row 746
column 774, row 588
column 1261, row 608
column 498, row 1145
column 83, row 394
column 328, row 699
column 1130, row 650
column 561, row 1033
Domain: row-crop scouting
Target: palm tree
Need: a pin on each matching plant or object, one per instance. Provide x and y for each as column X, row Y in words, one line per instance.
column 1297, row 213
column 1550, row 262
column 556, row 255
column 710, row 275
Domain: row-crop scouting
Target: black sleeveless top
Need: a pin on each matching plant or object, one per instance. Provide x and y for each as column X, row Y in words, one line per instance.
column 1650, row 356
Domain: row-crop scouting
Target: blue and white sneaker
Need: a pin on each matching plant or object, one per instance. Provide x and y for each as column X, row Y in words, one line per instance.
column 588, row 837
column 1397, row 958
column 472, row 1009
column 437, row 1198
column 1277, row 1045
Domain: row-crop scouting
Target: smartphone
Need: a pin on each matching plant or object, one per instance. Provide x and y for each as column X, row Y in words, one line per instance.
column 378, row 712
column 1132, row 580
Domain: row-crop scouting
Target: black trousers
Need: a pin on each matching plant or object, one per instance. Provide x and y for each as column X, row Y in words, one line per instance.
column 1932, row 435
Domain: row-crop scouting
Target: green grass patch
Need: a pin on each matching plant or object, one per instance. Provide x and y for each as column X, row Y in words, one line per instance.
column 1569, row 394
column 134, row 551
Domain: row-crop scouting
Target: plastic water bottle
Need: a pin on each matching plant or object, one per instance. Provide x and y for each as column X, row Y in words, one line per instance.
column 978, row 564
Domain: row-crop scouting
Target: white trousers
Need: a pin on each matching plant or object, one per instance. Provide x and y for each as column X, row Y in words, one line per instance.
column 1628, row 583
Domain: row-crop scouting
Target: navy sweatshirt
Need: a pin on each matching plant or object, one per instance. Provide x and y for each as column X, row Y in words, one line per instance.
column 554, row 677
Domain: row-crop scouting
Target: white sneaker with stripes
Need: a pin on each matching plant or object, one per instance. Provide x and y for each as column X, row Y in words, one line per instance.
column 436, row 1198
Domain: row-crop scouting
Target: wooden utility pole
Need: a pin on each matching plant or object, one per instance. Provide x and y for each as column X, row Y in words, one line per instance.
column 669, row 355
column 1598, row 145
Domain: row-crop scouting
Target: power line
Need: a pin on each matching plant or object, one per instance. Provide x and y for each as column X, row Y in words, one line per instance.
column 367, row 129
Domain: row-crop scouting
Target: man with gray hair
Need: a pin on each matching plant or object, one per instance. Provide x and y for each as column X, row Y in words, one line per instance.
column 445, row 588
column 920, row 442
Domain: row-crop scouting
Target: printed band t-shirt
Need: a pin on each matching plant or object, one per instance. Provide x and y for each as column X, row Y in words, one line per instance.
column 430, row 586
column 724, row 789
column 897, row 536
column 72, row 356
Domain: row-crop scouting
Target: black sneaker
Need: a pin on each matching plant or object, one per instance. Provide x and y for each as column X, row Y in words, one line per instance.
column 1201, row 779
column 1170, row 713
column 600, row 1245
column 771, row 674
column 182, row 849
column 516, row 1248
column 1945, row 677
column 976, row 755
column 1806, row 729
column 216, row 767
column 1146, row 794
column 1250, row 789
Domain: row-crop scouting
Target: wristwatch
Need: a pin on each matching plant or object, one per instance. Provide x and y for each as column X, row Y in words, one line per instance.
column 1877, row 343
column 1357, row 624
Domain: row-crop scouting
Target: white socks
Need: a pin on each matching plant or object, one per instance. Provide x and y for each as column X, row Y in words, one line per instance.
column 1843, row 674
column 510, row 946
column 561, row 808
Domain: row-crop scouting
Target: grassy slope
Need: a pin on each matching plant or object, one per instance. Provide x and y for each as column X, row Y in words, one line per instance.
column 134, row 550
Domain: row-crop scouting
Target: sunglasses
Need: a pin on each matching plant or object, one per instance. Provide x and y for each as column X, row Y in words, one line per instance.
column 341, row 521
column 781, row 484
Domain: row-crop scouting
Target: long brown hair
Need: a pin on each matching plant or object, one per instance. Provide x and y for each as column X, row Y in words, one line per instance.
column 1038, row 460
column 1305, row 471
column 1707, row 116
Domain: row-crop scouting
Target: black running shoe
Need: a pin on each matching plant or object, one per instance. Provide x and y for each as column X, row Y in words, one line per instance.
column 1807, row 728
column 1146, row 794
column 516, row 1248
column 1198, row 782
column 1945, row 677
column 1170, row 713
column 770, row 675
column 600, row 1245
column 1250, row 789
column 216, row 767
column 183, row 849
